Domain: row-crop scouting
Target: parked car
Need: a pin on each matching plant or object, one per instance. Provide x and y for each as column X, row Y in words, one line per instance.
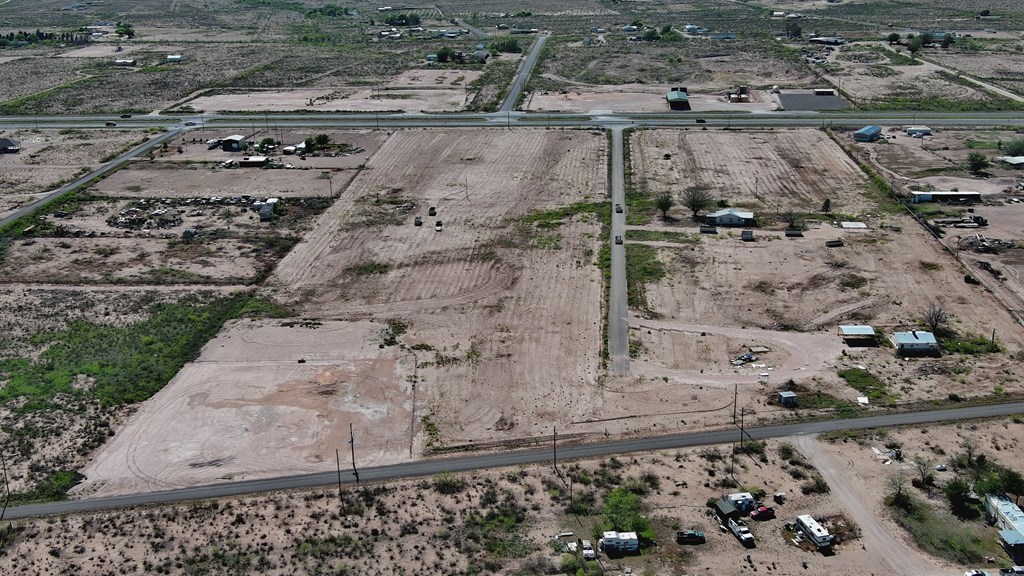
column 439, row 225
column 1012, row 570
column 941, row 468
column 618, row 239
column 976, row 573
column 618, row 208
column 763, row 513
column 690, row 537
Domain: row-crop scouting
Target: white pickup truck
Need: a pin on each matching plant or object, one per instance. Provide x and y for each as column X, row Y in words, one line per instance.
column 742, row 532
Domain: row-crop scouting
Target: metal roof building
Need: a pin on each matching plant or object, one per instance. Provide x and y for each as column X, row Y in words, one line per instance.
column 868, row 134
column 856, row 331
column 915, row 341
column 678, row 98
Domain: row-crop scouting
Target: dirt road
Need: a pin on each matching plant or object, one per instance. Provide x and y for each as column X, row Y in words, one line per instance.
column 889, row 550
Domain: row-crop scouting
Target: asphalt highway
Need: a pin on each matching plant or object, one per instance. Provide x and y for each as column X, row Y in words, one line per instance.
column 524, row 74
column 510, row 458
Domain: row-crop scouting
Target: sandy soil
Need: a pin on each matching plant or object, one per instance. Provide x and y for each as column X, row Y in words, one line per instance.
column 481, row 305
column 623, row 99
column 265, row 399
column 101, row 50
column 50, row 156
column 138, row 260
column 174, row 181
column 276, row 532
column 766, row 171
column 399, row 95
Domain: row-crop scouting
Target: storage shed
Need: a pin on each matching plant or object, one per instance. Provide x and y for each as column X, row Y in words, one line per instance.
column 858, row 335
column 233, row 143
column 868, row 134
column 725, row 511
column 787, row 398
column 678, row 98
column 916, row 342
column 945, row 196
column 922, row 130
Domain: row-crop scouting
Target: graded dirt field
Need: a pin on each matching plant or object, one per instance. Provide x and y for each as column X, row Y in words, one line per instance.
column 637, row 99
column 50, row 157
column 768, row 171
column 475, row 295
column 266, row 399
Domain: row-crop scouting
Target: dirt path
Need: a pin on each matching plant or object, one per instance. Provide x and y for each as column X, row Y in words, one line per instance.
column 890, row 552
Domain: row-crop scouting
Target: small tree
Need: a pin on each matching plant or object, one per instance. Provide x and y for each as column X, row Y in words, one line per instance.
column 697, row 198
column 898, row 495
column 915, row 46
column 894, row 38
column 793, row 220
column 935, row 317
column 666, row 29
column 924, row 469
column 664, row 202
column 926, row 38
column 793, row 30
column 445, row 54
column 958, row 492
column 976, row 162
column 826, row 206
column 322, row 140
column 310, row 145
column 651, row 35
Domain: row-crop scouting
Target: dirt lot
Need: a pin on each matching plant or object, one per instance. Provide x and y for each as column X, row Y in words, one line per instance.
column 411, row 91
column 266, row 399
column 465, row 291
column 766, row 171
column 309, row 530
column 638, row 99
column 49, row 157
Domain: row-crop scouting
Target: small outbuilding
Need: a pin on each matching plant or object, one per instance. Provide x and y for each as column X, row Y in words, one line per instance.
column 253, row 161
column 619, row 543
column 8, row 146
column 868, row 134
column 175, row 58
column 858, row 335
column 730, row 217
column 725, row 511
column 233, row 143
column 915, row 343
column 678, row 98
column 1013, row 161
column 787, row 398
column 921, row 130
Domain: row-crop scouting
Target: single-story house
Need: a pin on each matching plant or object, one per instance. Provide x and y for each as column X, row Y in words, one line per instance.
column 172, row 58
column 730, row 217
column 8, row 146
column 858, row 335
column 233, row 143
column 915, row 342
column 678, row 98
column 124, row 62
column 960, row 196
column 828, row 40
column 868, row 134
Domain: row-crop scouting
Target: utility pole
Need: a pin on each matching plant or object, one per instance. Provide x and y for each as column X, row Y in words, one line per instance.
column 352, row 443
column 337, row 456
column 735, row 399
column 554, row 447
column 7, row 487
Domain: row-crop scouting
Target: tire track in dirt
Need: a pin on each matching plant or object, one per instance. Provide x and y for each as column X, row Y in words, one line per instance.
column 890, row 550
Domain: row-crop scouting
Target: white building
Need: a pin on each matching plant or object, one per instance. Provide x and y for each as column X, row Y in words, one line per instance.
column 814, row 532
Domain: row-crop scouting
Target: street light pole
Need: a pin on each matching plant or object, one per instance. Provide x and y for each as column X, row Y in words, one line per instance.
column 352, row 443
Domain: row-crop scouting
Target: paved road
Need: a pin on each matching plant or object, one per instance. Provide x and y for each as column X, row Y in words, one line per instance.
column 618, row 323
column 26, row 210
column 485, row 461
column 473, row 29
column 524, row 74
